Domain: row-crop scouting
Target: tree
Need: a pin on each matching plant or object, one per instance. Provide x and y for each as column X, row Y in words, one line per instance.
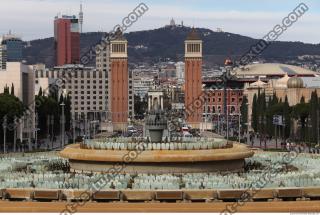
column 11, row 107
column 6, row 90
column 140, row 106
column 40, row 92
column 301, row 112
column 254, row 116
column 244, row 113
column 12, row 90
column 287, row 118
column 314, row 111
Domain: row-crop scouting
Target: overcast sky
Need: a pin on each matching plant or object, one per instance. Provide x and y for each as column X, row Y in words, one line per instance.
column 33, row 19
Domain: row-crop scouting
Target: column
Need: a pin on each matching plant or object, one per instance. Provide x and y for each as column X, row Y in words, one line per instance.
column 161, row 102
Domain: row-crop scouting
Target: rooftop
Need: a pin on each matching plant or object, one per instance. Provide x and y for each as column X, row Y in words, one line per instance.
column 193, row 35
column 273, row 69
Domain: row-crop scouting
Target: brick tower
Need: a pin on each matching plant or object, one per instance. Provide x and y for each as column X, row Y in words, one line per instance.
column 119, row 78
column 193, row 79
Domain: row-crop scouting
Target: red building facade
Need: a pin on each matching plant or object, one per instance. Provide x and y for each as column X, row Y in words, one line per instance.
column 67, row 40
column 214, row 102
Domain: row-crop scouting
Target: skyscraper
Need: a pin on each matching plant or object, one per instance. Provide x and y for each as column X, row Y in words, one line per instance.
column 193, row 79
column 67, row 40
column 10, row 49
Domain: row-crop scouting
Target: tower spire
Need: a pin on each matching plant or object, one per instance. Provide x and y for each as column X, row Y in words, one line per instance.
column 81, row 17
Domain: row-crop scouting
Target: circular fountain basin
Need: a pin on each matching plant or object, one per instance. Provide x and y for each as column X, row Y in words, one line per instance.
column 158, row 161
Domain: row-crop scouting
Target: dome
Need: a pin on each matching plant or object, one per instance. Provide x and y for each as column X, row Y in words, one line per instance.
column 193, row 35
column 295, row 82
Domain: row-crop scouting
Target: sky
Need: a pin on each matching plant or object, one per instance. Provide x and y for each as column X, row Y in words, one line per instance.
column 33, row 19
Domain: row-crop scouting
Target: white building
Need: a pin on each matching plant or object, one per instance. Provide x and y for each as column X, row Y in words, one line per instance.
column 86, row 86
column 180, row 71
column 22, row 78
column 142, row 85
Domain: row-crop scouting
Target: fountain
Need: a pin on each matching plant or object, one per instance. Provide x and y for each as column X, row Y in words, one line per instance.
column 157, row 152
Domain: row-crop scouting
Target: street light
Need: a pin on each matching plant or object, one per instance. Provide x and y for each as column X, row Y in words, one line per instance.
column 51, row 117
column 4, row 125
column 62, row 125
column 36, row 130
column 15, row 134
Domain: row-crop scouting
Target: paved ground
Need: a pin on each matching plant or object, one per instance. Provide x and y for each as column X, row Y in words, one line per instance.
column 294, row 206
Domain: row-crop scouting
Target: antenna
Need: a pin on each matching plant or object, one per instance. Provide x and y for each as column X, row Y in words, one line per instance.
column 81, row 17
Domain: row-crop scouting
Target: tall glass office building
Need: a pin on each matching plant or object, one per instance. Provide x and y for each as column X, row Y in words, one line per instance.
column 10, row 49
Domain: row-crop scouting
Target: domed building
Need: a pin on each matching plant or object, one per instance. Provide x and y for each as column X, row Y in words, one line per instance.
column 282, row 80
column 295, row 83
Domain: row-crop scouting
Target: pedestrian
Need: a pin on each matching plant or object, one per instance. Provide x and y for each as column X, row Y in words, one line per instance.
column 288, row 146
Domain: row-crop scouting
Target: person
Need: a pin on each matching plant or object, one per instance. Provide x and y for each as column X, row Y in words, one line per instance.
column 288, row 146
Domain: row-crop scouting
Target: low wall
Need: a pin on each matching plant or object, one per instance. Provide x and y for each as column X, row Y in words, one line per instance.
column 160, row 168
column 294, row 193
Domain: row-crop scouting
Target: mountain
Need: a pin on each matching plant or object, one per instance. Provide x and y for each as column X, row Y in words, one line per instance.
column 168, row 42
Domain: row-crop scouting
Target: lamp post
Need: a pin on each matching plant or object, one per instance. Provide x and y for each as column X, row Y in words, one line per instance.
column 36, row 130
column 52, row 134
column 15, row 134
column 62, row 125
column 4, row 125
column 30, row 131
column 73, row 129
